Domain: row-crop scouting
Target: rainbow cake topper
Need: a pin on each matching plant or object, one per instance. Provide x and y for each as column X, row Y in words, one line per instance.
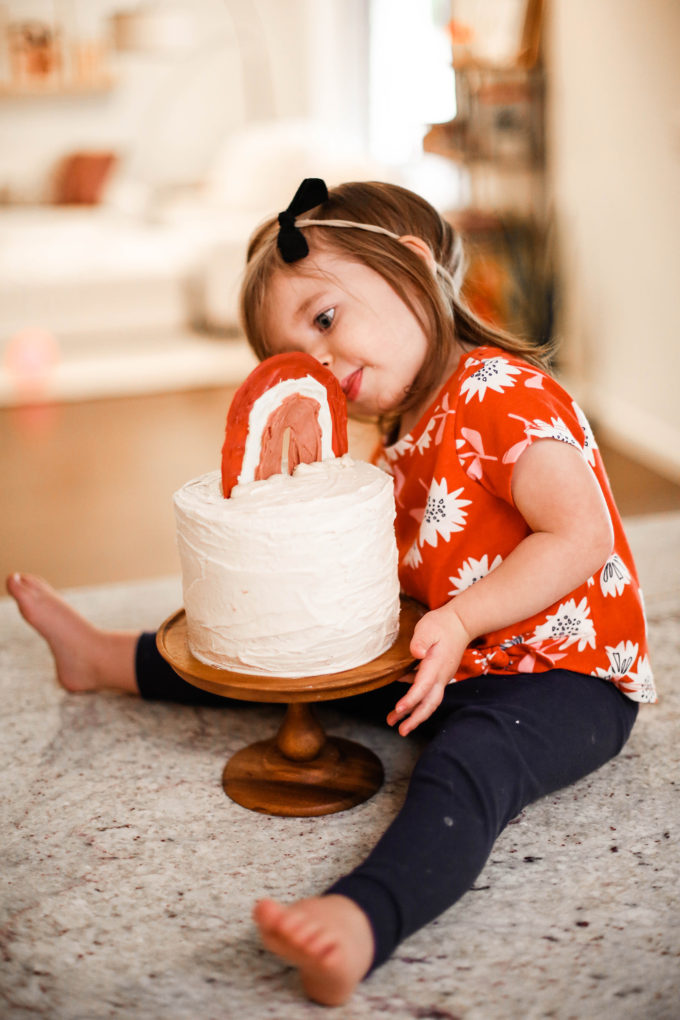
column 290, row 410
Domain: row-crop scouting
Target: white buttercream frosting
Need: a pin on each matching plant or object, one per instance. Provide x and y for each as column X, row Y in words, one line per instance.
column 291, row 576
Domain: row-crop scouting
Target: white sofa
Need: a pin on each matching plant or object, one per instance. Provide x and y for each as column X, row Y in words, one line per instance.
column 141, row 271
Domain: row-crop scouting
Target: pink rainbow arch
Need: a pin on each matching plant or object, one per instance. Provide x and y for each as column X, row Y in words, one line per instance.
column 292, row 411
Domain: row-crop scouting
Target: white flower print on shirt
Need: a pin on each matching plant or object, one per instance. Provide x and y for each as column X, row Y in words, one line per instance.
column 472, row 570
column 443, row 513
column 621, row 659
column 413, row 558
column 570, row 624
column 589, row 444
column 426, row 438
column 539, row 429
column 493, row 374
column 397, row 449
column 555, row 429
column 614, row 576
column 640, row 684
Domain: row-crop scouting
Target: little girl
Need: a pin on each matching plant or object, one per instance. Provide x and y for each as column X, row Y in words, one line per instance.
column 533, row 653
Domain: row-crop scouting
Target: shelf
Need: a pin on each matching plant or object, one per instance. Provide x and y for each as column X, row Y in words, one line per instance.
column 57, row 91
column 449, row 140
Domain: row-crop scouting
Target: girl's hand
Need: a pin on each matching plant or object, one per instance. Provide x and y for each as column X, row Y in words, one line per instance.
column 439, row 640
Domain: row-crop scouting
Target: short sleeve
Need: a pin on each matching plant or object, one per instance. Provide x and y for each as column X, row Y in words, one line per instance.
column 504, row 406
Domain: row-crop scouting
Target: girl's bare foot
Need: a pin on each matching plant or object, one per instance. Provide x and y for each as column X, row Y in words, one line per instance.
column 86, row 657
column 328, row 938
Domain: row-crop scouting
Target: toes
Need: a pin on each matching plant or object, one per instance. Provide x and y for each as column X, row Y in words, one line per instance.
column 311, row 936
column 33, row 583
column 272, row 916
column 296, row 924
column 290, row 924
column 292, row 932
column 267, row 913
column 27, row 586
column 321, row 945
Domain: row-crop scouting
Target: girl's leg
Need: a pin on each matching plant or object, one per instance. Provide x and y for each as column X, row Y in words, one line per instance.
column 87, row 658
column 498, row 743
column 157, row 680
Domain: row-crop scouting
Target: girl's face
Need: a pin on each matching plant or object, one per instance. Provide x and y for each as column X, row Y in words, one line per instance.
column 348, row 317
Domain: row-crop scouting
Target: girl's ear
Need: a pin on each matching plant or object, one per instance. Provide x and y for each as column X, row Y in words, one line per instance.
column 421, row 248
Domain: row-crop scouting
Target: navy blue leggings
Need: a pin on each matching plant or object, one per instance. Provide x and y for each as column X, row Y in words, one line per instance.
column 494, row 745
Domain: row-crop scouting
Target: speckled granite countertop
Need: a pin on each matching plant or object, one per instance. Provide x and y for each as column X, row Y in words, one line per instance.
column 128, row 877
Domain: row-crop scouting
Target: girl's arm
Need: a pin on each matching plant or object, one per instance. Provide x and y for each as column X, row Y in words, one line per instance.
column 571, row 537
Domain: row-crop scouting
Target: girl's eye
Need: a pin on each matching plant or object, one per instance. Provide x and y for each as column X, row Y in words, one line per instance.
column 324, row 320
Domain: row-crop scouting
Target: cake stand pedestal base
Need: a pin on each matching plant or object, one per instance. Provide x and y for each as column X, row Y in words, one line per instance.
column 299, row 772
column 302, row 772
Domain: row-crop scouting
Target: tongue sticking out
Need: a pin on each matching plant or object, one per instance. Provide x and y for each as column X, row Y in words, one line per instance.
column 287, row 397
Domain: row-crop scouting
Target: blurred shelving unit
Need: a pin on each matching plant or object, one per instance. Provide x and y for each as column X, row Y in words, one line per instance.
column 48, row 50
column 497, row 140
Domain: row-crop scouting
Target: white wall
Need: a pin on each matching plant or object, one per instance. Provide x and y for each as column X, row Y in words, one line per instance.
column 614, row 137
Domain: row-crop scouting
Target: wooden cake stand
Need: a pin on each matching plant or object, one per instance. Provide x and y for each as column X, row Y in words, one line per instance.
column 300, row 771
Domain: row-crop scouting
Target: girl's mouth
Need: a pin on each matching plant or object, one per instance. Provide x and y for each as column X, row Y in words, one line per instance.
column 351, row 384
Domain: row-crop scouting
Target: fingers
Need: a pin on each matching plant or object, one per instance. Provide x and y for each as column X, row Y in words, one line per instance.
column 422, row 711
column 439, row 640
column 424, row 695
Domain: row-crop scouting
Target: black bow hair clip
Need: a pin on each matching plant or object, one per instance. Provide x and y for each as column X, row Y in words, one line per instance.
column 291, row 241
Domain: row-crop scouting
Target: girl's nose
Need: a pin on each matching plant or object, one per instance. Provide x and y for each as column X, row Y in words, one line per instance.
column 322, row 353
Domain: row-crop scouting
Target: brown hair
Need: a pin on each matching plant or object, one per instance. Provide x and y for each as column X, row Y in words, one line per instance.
column 435, row 300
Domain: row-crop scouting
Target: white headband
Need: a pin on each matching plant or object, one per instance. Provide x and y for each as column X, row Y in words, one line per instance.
column 454, row 282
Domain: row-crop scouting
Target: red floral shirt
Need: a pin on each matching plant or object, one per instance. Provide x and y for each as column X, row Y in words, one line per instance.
column 456, row 521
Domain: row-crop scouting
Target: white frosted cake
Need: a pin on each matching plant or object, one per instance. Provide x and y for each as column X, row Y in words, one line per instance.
column 294, row 575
